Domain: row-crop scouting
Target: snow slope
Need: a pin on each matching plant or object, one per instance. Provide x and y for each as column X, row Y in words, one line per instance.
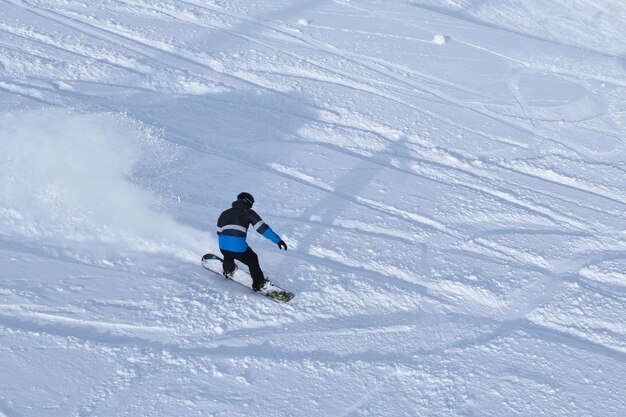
column 449, row 175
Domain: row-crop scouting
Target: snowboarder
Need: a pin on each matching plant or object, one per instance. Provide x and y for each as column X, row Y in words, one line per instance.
column 232, row 229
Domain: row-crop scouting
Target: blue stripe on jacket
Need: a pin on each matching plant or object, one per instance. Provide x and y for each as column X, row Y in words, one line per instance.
column 233, row 243
column 269, row 234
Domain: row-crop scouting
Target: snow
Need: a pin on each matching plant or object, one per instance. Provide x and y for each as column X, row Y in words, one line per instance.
column 439, row 40
column 449, row 177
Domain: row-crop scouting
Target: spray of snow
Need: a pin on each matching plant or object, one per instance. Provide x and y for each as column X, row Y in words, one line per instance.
column 67, row 178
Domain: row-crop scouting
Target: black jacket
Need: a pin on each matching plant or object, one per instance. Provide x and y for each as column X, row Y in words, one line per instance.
column 232, row 227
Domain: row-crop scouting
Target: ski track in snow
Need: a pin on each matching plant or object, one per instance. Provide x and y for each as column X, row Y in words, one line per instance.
column 455, row 212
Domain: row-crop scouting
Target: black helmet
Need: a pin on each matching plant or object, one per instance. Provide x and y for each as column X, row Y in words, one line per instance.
column 246, row 197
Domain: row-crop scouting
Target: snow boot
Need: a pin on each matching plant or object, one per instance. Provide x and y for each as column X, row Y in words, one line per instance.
column 263, row 286
column 229, row 274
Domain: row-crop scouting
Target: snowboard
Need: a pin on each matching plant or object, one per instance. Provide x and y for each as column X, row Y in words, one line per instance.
column 214, row 264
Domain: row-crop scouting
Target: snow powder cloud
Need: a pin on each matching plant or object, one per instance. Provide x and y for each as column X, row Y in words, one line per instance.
column 67, row 177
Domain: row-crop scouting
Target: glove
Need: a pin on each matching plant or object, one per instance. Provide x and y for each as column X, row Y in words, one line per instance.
column 282, row 245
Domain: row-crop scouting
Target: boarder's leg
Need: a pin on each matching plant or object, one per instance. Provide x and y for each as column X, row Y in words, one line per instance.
column 250, row 258
column 229, row 263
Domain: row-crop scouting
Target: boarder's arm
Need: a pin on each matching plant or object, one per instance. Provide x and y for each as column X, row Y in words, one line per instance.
column 263, row 228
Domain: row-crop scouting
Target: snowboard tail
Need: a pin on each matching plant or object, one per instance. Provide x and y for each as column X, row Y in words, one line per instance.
column 214, row 264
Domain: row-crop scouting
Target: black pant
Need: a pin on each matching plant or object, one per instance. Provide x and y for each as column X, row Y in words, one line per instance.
column 250, row 258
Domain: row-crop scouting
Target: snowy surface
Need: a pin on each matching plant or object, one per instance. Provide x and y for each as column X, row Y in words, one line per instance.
column 449, row 175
